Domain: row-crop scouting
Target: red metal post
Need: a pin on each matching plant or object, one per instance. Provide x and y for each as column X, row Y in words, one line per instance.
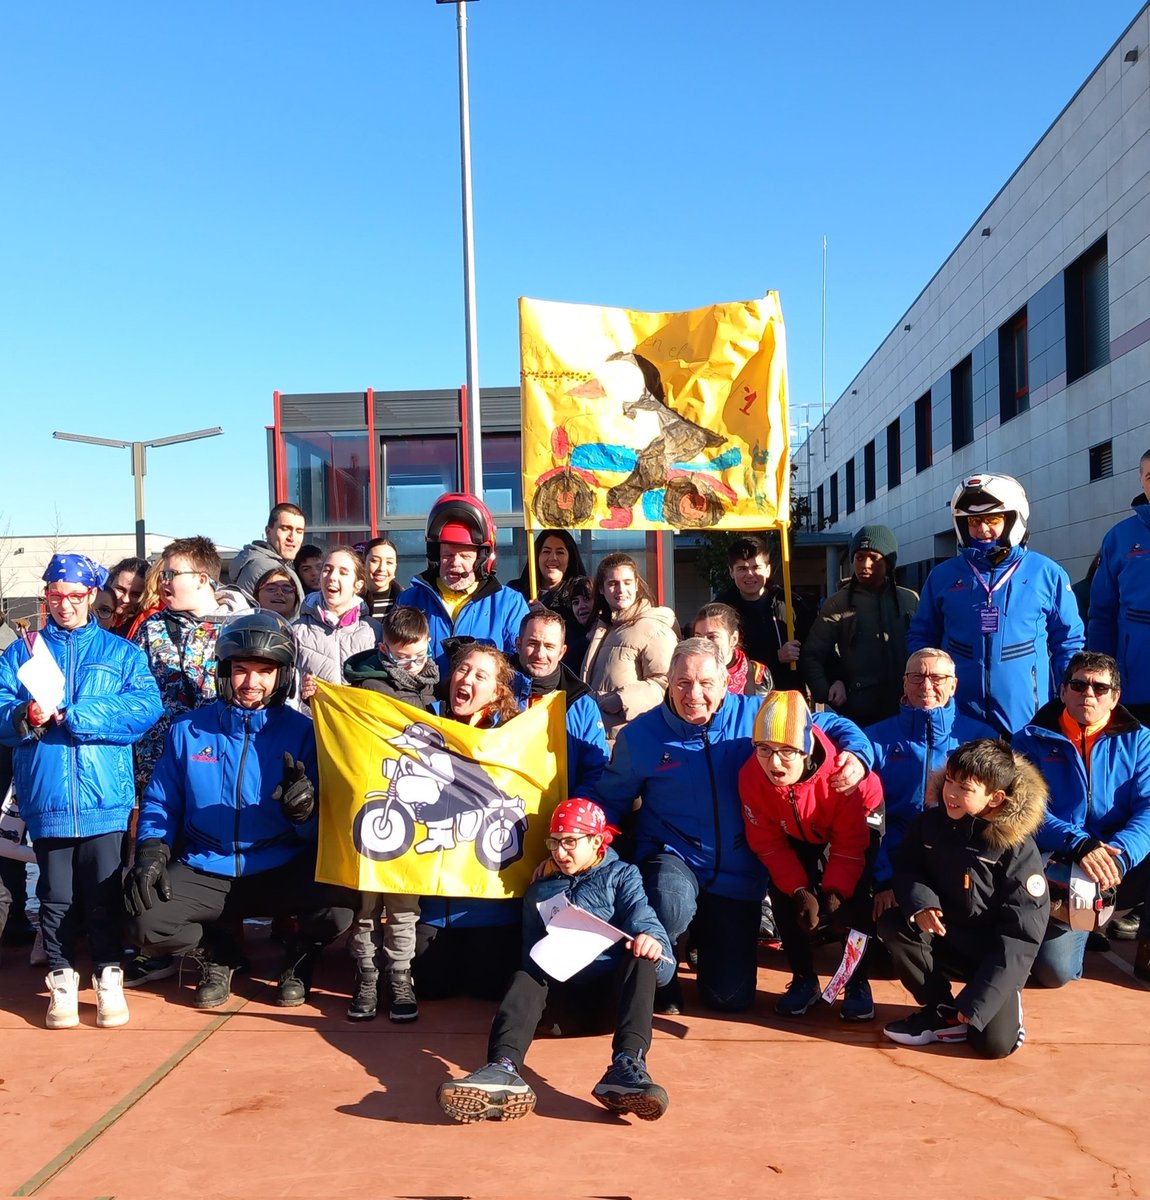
column 372, row 461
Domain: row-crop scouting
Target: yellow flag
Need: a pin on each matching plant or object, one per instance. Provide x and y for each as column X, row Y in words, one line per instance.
column 428, row 806
column 654, row 420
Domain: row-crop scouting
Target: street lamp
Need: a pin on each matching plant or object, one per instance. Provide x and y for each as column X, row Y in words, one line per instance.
column 475, row 449
column 140, row 464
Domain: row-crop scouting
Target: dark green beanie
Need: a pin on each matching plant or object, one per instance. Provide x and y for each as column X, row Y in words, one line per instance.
column 878, row 538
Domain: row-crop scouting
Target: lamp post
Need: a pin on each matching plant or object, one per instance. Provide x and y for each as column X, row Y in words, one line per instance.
column 139, row 464
column 474, row 433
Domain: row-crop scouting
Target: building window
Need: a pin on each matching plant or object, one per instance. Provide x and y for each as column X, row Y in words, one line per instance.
column 962, row 404
column 1101, row 461
column 923, row 451
column 850, row 478
column 327, row 477
column 1013, row 373
column 418, row 471
column 503, row 473
column 870, row 485
column 820, row 507
column 834, row 496
column 1087, row 312
column 893, row 456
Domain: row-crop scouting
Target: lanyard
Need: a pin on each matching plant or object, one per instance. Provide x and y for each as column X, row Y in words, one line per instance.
column 986, row 586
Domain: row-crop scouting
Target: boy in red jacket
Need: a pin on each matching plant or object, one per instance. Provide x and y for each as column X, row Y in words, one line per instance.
column 817, row 843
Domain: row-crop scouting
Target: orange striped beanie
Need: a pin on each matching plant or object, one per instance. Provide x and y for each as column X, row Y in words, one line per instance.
column 785, row 720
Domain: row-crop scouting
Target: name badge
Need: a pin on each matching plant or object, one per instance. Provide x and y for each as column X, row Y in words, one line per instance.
column 988, row 617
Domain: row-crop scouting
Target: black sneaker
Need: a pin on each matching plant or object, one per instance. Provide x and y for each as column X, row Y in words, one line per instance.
column 935, row 1024
column 627, row 1088
column 404, row 1006
column 365, row 1003
column 493, row 1093
column 215, row 986
column 146, row 968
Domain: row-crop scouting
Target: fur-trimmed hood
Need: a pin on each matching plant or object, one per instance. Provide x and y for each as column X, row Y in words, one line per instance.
column 1018, row 817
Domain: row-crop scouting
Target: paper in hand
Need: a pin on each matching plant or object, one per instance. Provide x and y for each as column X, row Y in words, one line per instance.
column 853, row 950
column 42, row 677
column 574, row 938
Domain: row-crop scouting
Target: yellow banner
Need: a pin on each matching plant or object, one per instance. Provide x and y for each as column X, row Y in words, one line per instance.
column 654, row 420
column 428, row 806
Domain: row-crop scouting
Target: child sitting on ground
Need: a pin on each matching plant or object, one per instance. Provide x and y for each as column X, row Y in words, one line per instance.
column 972, row 901
column 816, row 842
column 398, row 667
column 591, row 875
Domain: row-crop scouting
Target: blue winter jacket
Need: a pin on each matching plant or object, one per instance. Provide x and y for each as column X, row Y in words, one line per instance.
column 210, row 799
column 611, row 890
column 908, row 748
column 688, row 779
column 493, row 614
column 1120, row 603
column 1004, row 678
column 74, row 778
column 1112, row 803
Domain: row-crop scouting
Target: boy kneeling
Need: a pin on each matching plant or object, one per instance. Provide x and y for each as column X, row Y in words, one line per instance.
column 972, row 902
column 591, row 875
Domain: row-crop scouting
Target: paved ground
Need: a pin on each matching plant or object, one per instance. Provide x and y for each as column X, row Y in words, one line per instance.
column 257, row 1101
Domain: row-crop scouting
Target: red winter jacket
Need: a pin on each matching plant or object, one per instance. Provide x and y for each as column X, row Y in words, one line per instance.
column 810, row 811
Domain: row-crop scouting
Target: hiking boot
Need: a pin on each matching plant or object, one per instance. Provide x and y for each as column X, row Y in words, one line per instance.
column 1125, row 927
column 404, row 1006
column 858, row 1003
column 627, row 1088
column 63, row 986
column 215, row 986
column 801, row 993
column 111, row 1007
column 365, row 1003
column 939, row 1023
column 295, row 979
column 145, row 968
column 669, row 999
column 493, row 1093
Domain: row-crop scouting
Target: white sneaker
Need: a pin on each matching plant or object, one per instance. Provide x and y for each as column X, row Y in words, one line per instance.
column 63, row 1001
column 38, row 956
column 111, row 1007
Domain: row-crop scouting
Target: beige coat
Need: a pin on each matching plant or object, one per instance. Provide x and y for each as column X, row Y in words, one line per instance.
column 629, row 658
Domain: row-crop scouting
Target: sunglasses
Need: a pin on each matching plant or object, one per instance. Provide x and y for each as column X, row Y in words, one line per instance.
column 1081, row 686
column 167, row 574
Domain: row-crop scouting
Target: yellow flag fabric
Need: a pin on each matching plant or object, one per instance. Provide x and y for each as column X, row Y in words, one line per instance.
column 428, row 806
column 654, row 420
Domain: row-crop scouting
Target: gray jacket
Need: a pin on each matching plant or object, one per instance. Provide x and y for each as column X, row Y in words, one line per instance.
column 323, row 648
column 254, row 561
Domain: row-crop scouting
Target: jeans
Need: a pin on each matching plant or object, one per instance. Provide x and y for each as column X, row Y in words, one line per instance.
column 726, row 931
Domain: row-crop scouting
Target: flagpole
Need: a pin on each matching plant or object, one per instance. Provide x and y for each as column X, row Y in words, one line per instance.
column 824, row 420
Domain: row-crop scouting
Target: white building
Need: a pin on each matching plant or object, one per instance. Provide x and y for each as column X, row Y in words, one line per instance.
column 1027, row 353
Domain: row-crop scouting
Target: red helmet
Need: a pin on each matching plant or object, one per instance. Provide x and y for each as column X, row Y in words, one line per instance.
column 454, row 515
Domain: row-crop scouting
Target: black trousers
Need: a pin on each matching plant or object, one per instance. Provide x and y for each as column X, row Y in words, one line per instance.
column 79, row 884
column 856, row 911
column 925, row 964
column 519, row 1013
column 199, row 900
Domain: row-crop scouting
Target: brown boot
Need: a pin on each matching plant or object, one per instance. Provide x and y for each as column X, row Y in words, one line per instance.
column 1142, row 960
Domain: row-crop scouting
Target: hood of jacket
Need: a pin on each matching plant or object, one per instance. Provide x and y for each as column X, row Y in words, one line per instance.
column 1018, row 817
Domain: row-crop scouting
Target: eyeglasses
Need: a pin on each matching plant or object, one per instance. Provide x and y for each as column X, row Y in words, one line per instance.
column 785, row 754
column 924, row 676
column 407, row 662
column 1081, row 686
column 105, row 611
column 566, row 843
column 75, row 599
column 278, row 589
column 167, row 574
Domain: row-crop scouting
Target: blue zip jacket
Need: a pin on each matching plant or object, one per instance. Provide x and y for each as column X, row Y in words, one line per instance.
column 1004, row 677
column 908, row 748
column 74, row 779
column 1112, row 803
column 688, row 778
column 493, row 614
column 611, row 890
column 209, row 798
column 1120, row 603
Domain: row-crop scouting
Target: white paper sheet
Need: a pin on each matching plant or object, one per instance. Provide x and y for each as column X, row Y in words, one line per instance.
column 574, row 938
column 853, row 950
column 42, row 677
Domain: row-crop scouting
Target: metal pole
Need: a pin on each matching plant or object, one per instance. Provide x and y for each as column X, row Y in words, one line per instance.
column 824, row 348
column 139, row 470
column 474, row 431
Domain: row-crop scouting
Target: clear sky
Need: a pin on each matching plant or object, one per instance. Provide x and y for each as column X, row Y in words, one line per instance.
column 204, row 202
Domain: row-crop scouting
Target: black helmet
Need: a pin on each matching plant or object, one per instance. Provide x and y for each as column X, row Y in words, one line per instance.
column 263, row 635
column 456, row 514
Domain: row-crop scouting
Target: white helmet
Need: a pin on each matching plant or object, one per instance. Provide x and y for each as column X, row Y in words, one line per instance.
column 978, row 495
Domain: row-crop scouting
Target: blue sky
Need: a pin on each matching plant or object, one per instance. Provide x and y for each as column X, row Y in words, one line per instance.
column 203, row 203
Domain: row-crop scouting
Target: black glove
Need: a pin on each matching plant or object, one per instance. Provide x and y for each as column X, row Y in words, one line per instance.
column 295, row 793
column 806, row 909
column 149, row 874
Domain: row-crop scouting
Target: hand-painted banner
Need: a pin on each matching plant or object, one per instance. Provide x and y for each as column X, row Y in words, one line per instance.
column 428, row 806
column 654, row 420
